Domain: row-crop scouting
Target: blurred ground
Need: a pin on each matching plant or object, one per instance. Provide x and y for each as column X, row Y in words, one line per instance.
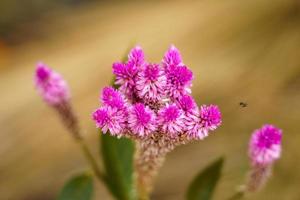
column 239, row 51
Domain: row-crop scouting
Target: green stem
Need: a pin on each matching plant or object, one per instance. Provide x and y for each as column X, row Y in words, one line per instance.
column 90, row 158
column 70, row 120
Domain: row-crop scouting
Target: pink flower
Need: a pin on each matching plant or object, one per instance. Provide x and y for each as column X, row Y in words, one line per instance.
column 171, row 120
column 51, row 86
column 209, row 119
column 137, row 56
column 113, row 98
column 179, row 81
column 141, row 120
column 187, row 103
column 150, row 84
column 265, row 145
column 172, row 57
column 179, row 77
column 111, row 119
column 154, row 98
column 125, row 77
column 158, row 111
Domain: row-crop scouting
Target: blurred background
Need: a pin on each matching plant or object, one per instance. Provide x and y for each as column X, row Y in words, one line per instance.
column 240, row 51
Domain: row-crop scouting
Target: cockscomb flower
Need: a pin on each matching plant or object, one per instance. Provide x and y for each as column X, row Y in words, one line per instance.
column 264, row 149
column 55, row 92
column 113, row 98
column 191, row 116
column 151, row 83
column 137, row 57
column 51, row 86
column 172, row 58
column 187, row 103
column 265, row 145
column 171, row 120
column 153, row 106
column 111, row 119
column 179, row 81
column 162, row 90
column 141, row 120
column 125, row 77
column 209, row 119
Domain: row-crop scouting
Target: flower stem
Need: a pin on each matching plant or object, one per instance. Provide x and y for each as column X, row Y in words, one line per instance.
column 70, row 120
column 90, row 158
column 149, row 158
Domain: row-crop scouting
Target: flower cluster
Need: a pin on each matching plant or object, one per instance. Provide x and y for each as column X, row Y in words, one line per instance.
column 154, row 99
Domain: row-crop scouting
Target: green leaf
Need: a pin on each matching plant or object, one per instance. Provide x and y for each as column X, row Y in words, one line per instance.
column 117, row 154
column 202, row 187
column 78, row 188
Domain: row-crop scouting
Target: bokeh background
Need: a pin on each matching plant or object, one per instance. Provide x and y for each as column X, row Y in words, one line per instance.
column 240, row 51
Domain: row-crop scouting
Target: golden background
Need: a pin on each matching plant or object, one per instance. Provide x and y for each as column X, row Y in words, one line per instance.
column 238, row 50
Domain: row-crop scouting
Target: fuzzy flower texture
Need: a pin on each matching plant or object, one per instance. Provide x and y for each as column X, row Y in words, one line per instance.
column 264, row 149
column 51, row 86
column 154, row 99
column 265, row 145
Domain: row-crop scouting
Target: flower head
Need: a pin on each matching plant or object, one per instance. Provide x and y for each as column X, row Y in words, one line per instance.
column 210, row 117
column 51, row 86
column 179, row 81
column 265, row 145
column 150, row 84
column 113, row 98
column 155, row 99
column 187, row 103
column 172, row 57
column 159, row 112
column 142, row 120
column 111, row 119
column 125, row 77
column 171, row 120
column 137, row 56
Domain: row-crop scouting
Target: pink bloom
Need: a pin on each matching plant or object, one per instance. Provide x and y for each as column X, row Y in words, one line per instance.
column 125, row 77
column 209, row 119
column 194, row 129
column 111, row 119
column 150, row 83
column 191, row 117
column 265, row 145
column 171, row 120
column 179, row 81
column 113, row 98
column 51, row 86
column 142, row 120
column 137, row 56
column 156, row 98
column 172, row 57
column 187, row 103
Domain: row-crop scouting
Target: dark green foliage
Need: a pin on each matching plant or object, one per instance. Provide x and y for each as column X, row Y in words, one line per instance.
column 78, row 188
column 202, row 187
column 117, row 157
